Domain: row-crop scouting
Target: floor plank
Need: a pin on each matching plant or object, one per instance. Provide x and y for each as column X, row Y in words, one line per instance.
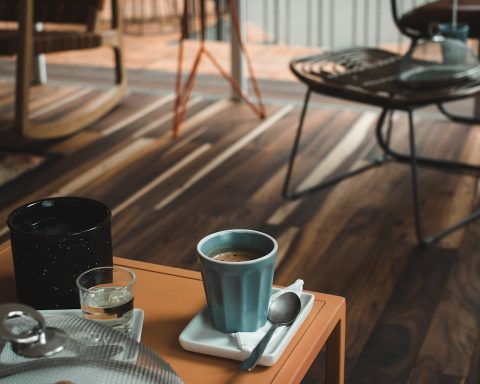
column 394, row 343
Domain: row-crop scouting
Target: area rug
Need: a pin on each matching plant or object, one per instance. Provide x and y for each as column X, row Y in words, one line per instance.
column 13, row 165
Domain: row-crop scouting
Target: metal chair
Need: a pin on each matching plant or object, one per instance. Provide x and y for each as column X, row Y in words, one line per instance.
column 416, row 23
column 371, row 76
column 26, row 43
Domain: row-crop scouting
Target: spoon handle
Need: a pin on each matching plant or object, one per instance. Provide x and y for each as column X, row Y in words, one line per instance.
column 250, row 362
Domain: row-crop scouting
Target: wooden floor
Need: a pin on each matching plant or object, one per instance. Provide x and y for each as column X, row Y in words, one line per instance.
column 413, row 314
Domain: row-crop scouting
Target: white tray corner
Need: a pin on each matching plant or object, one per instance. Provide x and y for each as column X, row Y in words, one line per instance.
column 200, row 336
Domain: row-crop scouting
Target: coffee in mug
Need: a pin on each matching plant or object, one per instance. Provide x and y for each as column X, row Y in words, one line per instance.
column 236, row 256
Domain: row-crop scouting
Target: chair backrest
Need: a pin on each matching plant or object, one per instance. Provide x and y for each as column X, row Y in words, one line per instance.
column 54, row 11
column 415, row 22
column 398, row 12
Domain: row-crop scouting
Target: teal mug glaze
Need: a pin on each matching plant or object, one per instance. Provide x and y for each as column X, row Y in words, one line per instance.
column 238, row 293
column 454, row 41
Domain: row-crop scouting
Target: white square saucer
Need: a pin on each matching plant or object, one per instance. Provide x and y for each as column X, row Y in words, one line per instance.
column 200, row 336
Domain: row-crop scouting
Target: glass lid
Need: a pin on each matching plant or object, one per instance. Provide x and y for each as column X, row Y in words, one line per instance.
column 68, row 349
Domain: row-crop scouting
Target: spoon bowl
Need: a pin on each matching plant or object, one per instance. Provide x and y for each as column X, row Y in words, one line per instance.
column 282, row 311
column 285, row 308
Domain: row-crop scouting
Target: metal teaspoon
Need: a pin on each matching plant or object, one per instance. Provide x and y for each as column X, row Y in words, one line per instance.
column 282, row 311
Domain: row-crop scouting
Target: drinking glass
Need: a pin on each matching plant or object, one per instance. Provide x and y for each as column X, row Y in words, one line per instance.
column 106, row 295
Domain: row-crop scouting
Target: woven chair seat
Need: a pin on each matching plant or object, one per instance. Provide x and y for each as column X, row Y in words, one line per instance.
column 372, row 76
column 51, row 41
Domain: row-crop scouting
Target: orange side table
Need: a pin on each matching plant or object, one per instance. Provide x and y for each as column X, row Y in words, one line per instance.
column 171, row 297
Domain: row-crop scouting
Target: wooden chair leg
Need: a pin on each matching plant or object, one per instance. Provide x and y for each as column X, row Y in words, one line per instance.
column 24, row 65
column 39, row 64
column 81, row 117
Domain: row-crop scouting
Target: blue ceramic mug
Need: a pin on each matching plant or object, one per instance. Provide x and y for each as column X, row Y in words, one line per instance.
column 453, row 40
column 237, row 267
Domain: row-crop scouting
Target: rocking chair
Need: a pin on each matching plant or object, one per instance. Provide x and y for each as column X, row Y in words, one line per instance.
column 27, row 43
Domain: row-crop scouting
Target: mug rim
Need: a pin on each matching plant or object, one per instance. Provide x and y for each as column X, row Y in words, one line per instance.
column 460, row 27
column 16, row 211
column 238, row 230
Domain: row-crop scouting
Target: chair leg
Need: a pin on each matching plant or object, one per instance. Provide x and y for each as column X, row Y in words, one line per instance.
column 421, row 238
column 79, row 118
column 454, row 166
column 413, row 165
column 293, row 153
column 119, row 68
column 378, row 131
column 458, row 118
column 39, row 64
column 24, row 66
column 325, row 184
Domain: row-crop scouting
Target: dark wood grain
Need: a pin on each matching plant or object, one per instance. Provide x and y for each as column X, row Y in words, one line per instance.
column 393, row 345
column 412, row 315
column 474, row 374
